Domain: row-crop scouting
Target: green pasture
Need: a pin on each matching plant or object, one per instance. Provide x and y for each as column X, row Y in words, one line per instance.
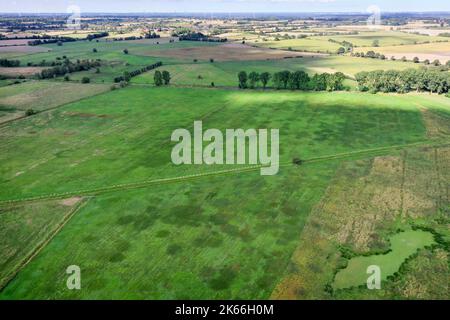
column 225, row 73
column 116, row 138
column 403, row 245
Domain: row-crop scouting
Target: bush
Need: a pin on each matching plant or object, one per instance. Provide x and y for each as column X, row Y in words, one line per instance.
column 30, row 112
column 85, row 80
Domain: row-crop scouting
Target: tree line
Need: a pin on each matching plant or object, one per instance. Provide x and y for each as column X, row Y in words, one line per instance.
column 58, row 40
column 297, row 80
column 127, row 75
column 9, row 63
column 68, row 67
column 198, row 36
column 419, row 80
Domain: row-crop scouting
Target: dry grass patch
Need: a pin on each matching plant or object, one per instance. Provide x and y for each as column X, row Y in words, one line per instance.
column 21, row 71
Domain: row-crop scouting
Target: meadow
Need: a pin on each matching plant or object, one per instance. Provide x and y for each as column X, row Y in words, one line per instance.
column 88, row 179
column 140, row 243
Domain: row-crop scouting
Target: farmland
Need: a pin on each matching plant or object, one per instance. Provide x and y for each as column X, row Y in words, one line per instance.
column 87, row 177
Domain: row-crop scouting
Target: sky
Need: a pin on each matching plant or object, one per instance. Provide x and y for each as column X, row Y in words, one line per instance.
column 248, row 6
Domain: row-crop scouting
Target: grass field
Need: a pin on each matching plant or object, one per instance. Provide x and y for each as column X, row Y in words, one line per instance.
column 403, row 245
column 308, row 45
column 42, row 95
column 384, row 38
column 143, row 240
column 225, row 73
column 25, row 228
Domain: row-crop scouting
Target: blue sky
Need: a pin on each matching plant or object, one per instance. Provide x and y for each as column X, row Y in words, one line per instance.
column 41, row 6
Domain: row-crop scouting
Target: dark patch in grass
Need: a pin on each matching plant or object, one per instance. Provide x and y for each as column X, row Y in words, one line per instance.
column 173, row 249
column 163, row 233
column 184, row 215
column 223, row 279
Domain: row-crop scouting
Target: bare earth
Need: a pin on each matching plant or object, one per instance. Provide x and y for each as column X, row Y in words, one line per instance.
column 229, row 52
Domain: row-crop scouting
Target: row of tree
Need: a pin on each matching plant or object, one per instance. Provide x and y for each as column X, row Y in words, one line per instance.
column 161, row 78
column 9, row 63
column 422, row 79
column 198, row 36
column 58, row 40
column 127, row 75
column 68, row 67
column 98, row 35
column 297, row 80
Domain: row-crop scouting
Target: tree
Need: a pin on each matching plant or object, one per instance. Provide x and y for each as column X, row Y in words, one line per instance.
column 416, row 60
column 125, row 51
column 30, row 112
column 341, row 50
column 166, row 77
column 211, row 60
column 94, row 50
column 158, row 78
column 281, row 79
column 426, row 61
column 242, row 76
column 85, row 80
column 265, row 78
column 436, row 63
column 376, row 43
column 254, row 79
column 126, row 76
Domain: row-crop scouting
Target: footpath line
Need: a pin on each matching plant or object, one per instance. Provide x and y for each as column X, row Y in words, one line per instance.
column 160, row 181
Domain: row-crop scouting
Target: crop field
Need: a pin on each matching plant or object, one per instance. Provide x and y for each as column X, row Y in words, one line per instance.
column 430, row 51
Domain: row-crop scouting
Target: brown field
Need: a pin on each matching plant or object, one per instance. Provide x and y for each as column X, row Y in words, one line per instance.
column 16, row 72
column 227, row 52
column 20, row 50
column 15, row 42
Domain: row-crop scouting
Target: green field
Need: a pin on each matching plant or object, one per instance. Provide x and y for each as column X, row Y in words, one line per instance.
column 384, row 38
column 42, row 95
column 88, row 180
column 24, row 229
column 403, row 245
column 225, row 73
column 307, row 44
column 140, row 243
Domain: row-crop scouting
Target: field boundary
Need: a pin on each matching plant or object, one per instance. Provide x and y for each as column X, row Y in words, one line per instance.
column 4, row 123
column 22, row 264
column 160, row 181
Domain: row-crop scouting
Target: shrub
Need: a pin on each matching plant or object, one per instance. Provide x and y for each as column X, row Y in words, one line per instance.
column 85, row 80
column 30, row 112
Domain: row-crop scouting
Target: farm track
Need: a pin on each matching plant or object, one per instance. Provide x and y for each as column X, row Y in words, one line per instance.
column 160, row 181
column 3, row 124
column 44, row 243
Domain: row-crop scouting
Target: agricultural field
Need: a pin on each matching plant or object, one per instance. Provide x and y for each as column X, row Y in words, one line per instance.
column 16, row 99
column 87, row 176
column 430, row 51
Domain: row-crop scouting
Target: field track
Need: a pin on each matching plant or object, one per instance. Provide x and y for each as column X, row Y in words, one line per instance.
column 44, row 243
column 152, row 182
